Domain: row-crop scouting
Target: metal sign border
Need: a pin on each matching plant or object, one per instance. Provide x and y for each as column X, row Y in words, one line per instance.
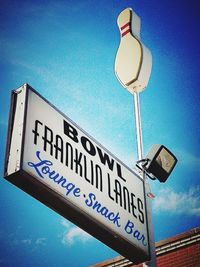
column 53, row 200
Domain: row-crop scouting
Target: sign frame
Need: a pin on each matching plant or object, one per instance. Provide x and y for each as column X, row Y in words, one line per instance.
column 23, row 180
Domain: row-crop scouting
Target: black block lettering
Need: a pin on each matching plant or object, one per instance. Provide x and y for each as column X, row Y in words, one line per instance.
column 89, row 148
column 70, row 131
column 35, row 131
column 48, row 139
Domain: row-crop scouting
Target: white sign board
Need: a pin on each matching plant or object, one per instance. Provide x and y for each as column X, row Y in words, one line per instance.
column 58, row 163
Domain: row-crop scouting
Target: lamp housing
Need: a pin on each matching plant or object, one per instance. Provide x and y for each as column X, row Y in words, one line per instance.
column 160, row 162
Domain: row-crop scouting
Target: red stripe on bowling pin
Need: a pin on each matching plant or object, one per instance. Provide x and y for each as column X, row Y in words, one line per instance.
column 126, row 27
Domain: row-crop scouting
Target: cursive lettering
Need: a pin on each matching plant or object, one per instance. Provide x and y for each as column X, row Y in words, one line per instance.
column 130, row 229
column 44, row 169
column 99, row 208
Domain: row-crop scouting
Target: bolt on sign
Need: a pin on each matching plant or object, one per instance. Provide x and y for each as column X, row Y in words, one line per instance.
column 55, row 161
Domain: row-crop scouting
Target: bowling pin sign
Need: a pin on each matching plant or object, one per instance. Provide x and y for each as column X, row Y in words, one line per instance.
column 133, row 60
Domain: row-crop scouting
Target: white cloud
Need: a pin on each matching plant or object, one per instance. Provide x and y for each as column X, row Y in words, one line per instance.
column 41, row 241
column 187, row 203
column 66, row 224
column 27, row 241
column 187, row 158
column 73, row 234
column 41, row 72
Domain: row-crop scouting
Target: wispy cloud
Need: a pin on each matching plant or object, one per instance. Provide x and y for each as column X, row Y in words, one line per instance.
column 42, row 72
column 187, row 203
column 35, row 243
column 27, row 241
column 74, row 234
column 187, row 158
column 41, row 241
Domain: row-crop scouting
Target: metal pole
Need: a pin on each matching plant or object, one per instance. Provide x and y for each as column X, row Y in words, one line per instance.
column 152, row 262
column 138, row 124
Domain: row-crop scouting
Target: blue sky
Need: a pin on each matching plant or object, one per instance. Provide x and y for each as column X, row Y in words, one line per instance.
column 66, row 50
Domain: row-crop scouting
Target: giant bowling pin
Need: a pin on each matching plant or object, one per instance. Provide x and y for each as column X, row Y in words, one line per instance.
column 133, row 60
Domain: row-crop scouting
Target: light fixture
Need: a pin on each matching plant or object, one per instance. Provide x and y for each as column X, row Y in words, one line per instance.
column 159, row 163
